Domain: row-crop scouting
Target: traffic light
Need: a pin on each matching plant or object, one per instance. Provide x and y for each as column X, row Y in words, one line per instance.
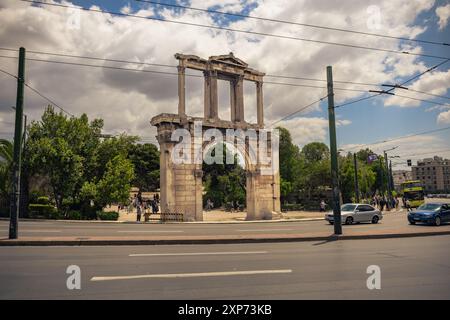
column 408, row 162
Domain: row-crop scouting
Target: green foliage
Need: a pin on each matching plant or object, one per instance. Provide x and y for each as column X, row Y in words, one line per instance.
column 145, row 158
column 115, row 186
column 224, row 183
column 43, row 200
column 6, row 157
column 110, row 215
column 47, row 211
column 73, row 215
column 81, row 167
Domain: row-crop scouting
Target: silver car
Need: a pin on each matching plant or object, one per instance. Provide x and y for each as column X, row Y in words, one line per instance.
column 356, row 212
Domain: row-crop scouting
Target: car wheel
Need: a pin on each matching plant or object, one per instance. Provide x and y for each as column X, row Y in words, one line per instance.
column 330, row 222
column 349, row 220
column 412, row 222
column 437, row 221
column 375, row 219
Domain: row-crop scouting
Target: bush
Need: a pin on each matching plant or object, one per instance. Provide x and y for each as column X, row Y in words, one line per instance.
column 43, row 200
column 47, row 211
column 110, row 215
column 73, row 215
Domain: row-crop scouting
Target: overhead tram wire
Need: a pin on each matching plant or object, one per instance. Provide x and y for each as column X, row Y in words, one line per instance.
column 174, row 66
column 165, row 72
column 199, row 76
column 40, row 94
column 299, row 110
column 397, row 138
column 240, row 15
column 395, row 86
column 236, row 30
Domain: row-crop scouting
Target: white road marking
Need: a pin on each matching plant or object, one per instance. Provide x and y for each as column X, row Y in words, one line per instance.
column 43, row 231
column 191, row 275
column 149, row 231
column 194, row 253
column 262, row 230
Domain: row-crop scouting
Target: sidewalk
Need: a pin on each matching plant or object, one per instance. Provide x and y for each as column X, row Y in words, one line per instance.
column 348, row 234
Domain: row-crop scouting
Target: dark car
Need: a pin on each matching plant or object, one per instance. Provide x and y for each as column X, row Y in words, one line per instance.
column 431, row 213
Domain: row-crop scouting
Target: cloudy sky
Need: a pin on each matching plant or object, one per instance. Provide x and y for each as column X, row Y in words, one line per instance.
column 127, row 100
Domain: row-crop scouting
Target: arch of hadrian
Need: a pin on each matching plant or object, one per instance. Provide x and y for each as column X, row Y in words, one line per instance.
column 181, row 184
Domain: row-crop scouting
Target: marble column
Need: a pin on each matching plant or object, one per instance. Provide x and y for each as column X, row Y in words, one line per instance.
column 181, row 91
column 259, row 103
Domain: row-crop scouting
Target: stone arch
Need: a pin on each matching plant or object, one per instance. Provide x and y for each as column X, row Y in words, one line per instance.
column 181, row 182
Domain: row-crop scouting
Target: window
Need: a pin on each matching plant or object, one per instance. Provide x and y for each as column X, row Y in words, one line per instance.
column 365, row 208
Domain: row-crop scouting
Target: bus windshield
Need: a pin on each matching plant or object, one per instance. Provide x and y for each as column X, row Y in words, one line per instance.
column 414, row 195
column 411, row 184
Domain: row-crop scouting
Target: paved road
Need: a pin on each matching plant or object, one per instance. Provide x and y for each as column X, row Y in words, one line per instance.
column 391, row 222
column 411, row 268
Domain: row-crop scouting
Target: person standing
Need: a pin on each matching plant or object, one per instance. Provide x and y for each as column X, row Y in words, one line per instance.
column 322, row 206
column 138, row 204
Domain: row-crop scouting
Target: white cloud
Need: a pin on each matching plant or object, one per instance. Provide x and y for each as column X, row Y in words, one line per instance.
column 443, row 14
column 444, row 117
column 127, row 100
column 435, row 82
column 309, row 129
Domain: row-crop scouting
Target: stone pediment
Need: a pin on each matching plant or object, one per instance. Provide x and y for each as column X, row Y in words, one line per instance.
column 229, row 59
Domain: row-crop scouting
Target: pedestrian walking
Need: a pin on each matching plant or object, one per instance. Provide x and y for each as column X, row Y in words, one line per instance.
column 322, row 206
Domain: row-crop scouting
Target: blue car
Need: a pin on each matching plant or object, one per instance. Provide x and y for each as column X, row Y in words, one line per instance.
column 431, row 213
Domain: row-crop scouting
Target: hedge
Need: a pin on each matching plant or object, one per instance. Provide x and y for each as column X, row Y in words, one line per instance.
column 73, row 215
column 43, row 211
column 110, row 215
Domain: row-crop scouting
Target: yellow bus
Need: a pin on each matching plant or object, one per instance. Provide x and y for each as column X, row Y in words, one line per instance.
column 412, row 190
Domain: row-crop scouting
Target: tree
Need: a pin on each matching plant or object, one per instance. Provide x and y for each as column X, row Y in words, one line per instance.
column 289, row 153
column 114, row 187
column 6, row 158
column 145, row 158
column 316, row 168
column 79, row 165
column 224, row 183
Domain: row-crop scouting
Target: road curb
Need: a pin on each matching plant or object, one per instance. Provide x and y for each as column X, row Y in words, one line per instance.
column 169, row 222
column 237, row 240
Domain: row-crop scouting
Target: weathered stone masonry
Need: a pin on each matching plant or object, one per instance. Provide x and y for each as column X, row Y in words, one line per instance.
column 181, row 184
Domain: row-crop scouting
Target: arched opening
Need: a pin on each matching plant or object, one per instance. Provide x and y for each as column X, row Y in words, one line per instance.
column 224, row 182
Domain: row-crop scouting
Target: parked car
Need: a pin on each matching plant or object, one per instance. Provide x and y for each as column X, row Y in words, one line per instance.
column 431, row 213
column 356, row 212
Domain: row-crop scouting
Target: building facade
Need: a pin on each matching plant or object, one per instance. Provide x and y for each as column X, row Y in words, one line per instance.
column 434, row 173
column 400, row 176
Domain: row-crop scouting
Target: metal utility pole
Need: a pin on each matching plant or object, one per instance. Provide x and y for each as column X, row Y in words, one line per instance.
column 15, row 195
column 333, row 150
column 391, row 177
column 355, row 162
column 388, row 175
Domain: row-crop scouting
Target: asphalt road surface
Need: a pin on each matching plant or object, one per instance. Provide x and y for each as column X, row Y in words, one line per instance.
column 411, row 268
column 390, row 222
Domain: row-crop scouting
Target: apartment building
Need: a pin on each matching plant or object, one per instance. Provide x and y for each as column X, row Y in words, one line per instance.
column 434, row 173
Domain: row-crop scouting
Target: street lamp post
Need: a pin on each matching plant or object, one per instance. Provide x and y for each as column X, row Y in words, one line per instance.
column 388, row 175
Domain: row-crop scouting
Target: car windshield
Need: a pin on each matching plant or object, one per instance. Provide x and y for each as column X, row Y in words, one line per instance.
column 430, row 206
column 348, row 207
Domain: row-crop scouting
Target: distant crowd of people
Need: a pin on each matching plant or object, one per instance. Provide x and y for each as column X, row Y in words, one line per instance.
column 380, row 202
column 143, row 206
